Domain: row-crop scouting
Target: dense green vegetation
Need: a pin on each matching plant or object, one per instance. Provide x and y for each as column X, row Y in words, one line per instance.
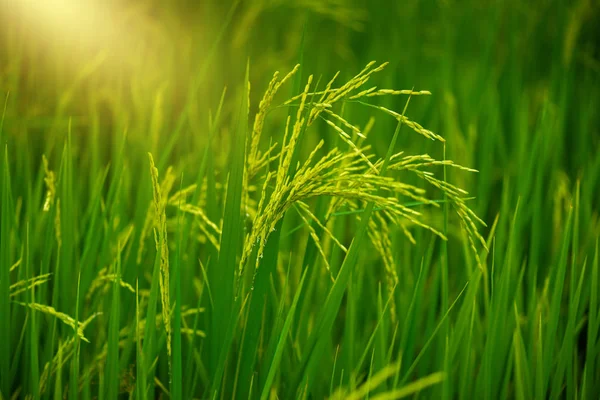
column 177, row 221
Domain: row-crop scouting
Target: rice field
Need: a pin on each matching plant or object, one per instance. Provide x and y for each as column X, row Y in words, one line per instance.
column 335, row 199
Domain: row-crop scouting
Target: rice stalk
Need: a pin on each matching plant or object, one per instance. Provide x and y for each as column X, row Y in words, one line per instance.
column 350, row 178
column 63, row 354
column 162, row 246
column 50, row 181
column 26, row 284
column 152, row 221
column 65, row 318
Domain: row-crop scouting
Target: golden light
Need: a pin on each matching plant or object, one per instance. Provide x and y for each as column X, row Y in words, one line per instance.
column 70, row 22
column 79, row 30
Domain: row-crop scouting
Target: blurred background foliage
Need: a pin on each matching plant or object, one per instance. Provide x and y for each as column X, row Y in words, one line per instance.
column 155, row 71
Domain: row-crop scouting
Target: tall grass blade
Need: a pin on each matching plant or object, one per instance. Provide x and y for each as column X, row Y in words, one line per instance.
column 5, row 262
column 556, row 300
column 33, row 330
column 282, row 338
column 177, row 377
column 223, row 275
column 112, row 382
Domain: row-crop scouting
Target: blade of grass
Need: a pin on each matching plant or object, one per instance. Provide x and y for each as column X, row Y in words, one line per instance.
column 592, row 348
column 281, row 343
column 34, row 369
column 192, row 379
column 58, row 387
column 223, row 275
column 565, row 357
column 410, row 335
column 140, row 381
column 376, row 330
column 112, row 381
column 5, row 311
column 68, row 228
column 445, row 285
column 430, row 340
column 467, row 356
column 555, row 305
column 74, row 379
column 522, row 373
column 176, row 383
column 2, row 140
column 412, row 388
column 93, row 237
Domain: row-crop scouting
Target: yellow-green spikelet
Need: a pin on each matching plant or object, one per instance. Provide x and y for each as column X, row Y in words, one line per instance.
column 163, row 249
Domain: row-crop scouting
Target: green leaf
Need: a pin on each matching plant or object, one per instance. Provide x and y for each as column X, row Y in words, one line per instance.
column 281, row 343
column 112, row 358
column 223, row 275
column 5, row 263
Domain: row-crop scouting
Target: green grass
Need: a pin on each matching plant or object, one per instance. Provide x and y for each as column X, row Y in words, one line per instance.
column 177, row 221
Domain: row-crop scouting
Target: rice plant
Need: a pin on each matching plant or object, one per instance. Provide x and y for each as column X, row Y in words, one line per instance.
column 251, row 208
